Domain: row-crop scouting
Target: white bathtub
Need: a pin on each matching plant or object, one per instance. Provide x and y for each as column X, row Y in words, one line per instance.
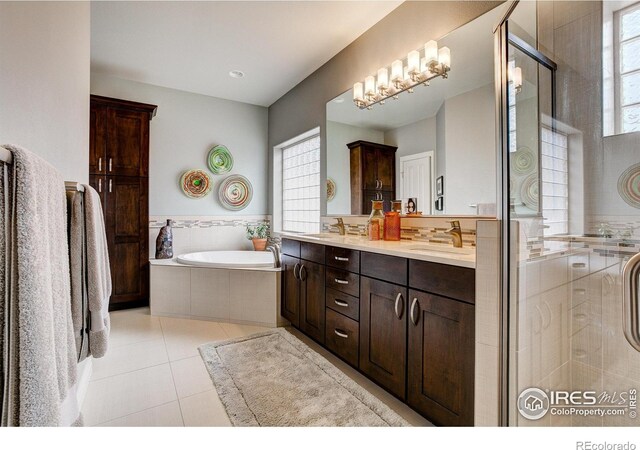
column 237, row 259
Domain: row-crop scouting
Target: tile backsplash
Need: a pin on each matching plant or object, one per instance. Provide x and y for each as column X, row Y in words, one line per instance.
column 202, row 233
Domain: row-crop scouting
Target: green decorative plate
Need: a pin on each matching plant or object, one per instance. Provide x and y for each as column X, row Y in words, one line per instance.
column 195, row 183
column 220, row 159
column 523, row 161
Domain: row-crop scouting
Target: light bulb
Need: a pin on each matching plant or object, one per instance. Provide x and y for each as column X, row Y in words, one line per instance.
column 396, row 70
column 444, row 57
column 517, row 77
column 370, row 85
column 383, row 79
column 424, row 66
column 358, row 91
column 431, row 52
column 413, row 61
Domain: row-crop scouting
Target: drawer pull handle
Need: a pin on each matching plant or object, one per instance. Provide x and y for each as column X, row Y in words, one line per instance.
column 110, row 164
column 341, row 303
column 340, row 258
column 303, row 273
column 99, row 164
column 341, row 334
column 578, row 265
column 339, row 281
column 414, row 318
column 295, row 271
column 398, row 305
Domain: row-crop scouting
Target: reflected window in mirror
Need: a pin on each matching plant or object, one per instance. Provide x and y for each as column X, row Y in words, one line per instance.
column 621, row 67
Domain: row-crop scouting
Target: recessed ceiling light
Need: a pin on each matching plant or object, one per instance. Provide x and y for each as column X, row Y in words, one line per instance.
column 236, row 74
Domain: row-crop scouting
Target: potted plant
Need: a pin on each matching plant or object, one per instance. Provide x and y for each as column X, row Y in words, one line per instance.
column 258, row 235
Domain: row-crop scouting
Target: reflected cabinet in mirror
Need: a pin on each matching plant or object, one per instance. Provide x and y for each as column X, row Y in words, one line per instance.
column 434, row 146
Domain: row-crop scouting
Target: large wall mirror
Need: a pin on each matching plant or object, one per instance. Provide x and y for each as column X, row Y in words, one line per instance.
column 441, row 137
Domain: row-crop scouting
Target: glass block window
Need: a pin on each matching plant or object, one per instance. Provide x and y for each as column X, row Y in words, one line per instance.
column 628, row 68
column 301, row 186
column 555, row 181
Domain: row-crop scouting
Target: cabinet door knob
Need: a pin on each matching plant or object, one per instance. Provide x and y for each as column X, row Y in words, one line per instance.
column 340, row 258
column 341, row 334
column 414, row 318
column 110, row 185
column 100, row 185
column 295, row 271
column 100, row 164
column 110, row 164
column 399, row 305
column 339, row 281
column 341, row 303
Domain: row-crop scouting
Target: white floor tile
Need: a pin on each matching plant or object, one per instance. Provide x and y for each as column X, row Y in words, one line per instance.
column 235, row 330
column 167, row 415
column 127, row 358
column 120, row 395
column 184, row 336
column 191, row 376
column 132, row 326
column 204, row 410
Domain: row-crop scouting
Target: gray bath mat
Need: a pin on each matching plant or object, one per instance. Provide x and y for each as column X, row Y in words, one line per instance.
column 274, row 379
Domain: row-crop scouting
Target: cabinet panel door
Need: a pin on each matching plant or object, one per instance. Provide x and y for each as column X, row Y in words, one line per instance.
column 369, row 175
column 383, row 333
column 386, row 169
column 312, row 309
column 290, row 302
column 441, row 359
column 126, row 216
column 97, row 139
column 127, row 142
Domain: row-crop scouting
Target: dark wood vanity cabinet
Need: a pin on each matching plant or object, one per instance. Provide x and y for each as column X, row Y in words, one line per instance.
column 408, row 325
column 303, row 287
column 118, row 168
column 373, row 175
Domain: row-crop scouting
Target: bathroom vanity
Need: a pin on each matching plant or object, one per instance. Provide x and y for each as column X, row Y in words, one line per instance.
column 404, row 318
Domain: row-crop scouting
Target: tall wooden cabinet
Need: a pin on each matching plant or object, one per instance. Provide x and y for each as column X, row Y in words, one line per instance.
column 373, row 175
column 118, row 170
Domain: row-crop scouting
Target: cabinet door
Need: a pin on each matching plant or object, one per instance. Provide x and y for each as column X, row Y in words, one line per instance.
column 290, row 301
column 127, row 142
column 383, row 333
column 97, row 139
column 127, row 235
column 386, row 169
column 312, row 310
column 441, row 359
column 369, row 176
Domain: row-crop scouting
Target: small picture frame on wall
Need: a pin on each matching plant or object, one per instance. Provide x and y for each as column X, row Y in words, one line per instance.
column 440, row 186
column 440, row 203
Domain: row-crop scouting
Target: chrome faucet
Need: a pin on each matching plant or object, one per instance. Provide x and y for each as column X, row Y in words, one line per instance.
column 275, row 249
column 340, row 225
column 456, row 233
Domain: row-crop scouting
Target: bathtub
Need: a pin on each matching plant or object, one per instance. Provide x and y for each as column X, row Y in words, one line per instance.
column 226, row 286
column 238, row 259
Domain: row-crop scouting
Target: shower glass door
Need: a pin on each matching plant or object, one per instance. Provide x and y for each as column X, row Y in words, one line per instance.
column 571, row 210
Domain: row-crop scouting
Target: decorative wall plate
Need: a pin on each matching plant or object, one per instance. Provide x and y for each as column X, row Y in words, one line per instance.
column 530, row 191
column 331, row 189
column 629, row 186
column 195, row 183
column 220, row 159
column 523, row 161
column 235, row 192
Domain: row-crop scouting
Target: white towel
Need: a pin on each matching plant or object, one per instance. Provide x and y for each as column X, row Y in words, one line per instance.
column 98, row 273
column 42, row 370
column 77, row 265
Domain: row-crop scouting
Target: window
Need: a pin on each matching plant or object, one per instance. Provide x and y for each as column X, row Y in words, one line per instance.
column 627, row 68
column 301, row 185
column 555, row 181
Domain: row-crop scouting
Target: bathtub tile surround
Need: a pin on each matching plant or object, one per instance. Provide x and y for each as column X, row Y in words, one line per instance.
column 202, row 233
column 423, row 229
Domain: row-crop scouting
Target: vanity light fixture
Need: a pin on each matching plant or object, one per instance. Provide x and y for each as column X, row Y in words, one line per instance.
column 515, row 77
column 436, row 62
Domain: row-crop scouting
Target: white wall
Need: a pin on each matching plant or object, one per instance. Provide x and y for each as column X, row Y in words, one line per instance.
column 339, row 163
column 470, row 173
column 185, row 128
column 44, row 82
column 417, row 137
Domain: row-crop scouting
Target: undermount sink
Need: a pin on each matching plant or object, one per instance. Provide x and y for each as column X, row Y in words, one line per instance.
column 323, row 236
column 443, row 249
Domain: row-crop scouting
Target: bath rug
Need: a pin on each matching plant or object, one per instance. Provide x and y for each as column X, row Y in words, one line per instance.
column 274, row 379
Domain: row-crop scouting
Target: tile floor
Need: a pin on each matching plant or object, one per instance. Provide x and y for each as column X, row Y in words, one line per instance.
column 153, row 374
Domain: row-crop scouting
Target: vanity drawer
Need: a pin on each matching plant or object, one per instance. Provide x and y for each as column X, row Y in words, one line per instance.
column 291, row 247
column 312, row 252
column 343, row 281
column 343, row 303
column 441, row 279
column 342, row 336
column 343, row 258
column 384, row 267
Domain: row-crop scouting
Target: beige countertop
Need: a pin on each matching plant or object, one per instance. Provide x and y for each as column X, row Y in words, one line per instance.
column 419, row 250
